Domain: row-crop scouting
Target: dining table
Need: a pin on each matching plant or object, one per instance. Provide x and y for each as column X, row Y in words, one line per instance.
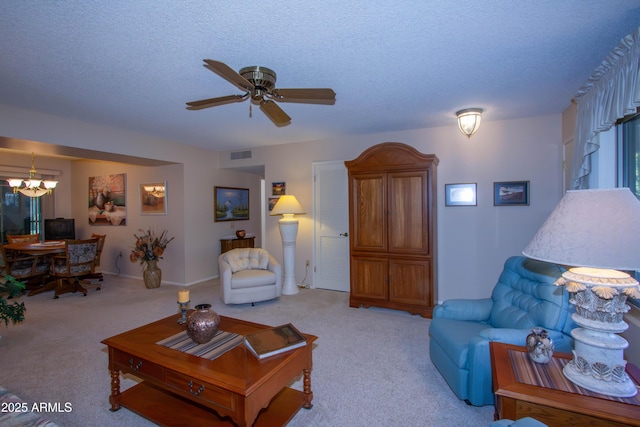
column 39, row 249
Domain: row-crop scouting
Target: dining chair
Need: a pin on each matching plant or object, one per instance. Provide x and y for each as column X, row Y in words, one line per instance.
column 97, row 274
column 23, row 238
column 25, row 268
column 77, row 262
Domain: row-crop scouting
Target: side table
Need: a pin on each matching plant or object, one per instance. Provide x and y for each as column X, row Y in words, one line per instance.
column 524, row 388
column 233, row 243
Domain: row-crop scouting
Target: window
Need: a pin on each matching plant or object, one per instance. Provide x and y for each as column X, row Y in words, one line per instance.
column 629, row 154
column 19, row 214
column 629, row 163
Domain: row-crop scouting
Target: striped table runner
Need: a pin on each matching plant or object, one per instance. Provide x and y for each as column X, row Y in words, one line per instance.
column 549, row 375
column 219, row 344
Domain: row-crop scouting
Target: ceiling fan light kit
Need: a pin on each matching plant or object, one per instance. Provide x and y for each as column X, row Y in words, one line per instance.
column 259, row 84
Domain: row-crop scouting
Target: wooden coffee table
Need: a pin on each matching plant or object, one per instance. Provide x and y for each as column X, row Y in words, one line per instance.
column 182, row 389
column 524, row 388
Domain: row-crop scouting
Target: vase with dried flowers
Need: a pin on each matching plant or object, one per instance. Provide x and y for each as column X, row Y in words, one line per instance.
column 148, row 250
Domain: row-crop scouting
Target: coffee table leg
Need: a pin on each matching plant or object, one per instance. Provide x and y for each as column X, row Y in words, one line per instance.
column 308, row 394
column 115, row 390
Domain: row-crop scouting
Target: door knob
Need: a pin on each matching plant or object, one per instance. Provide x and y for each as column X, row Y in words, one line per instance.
column 345, row 234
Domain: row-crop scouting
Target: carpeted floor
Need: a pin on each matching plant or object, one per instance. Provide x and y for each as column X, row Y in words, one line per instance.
column 371, row 366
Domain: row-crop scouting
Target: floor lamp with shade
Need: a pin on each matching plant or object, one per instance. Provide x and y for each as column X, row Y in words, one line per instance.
column 288, row 206
column 595, row 233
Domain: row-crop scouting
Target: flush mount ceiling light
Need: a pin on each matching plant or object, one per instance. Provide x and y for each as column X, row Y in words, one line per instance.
column 469, row 120
column 32, row 187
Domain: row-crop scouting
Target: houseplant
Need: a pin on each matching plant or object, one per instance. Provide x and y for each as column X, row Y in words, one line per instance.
column 13, row 313
column 148, row 250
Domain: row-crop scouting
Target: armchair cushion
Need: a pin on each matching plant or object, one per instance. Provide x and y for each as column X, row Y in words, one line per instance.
column 460, row 331
column 246, row 259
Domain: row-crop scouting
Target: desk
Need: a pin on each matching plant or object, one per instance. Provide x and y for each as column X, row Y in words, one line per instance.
column 45, row 248
column 524, row 388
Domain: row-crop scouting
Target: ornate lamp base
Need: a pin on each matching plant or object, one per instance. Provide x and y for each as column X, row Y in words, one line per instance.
column 598, row 357
column 598, row 363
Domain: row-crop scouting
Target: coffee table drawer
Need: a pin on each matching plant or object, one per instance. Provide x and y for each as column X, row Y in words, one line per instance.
column 136, row 365
column 200, row 390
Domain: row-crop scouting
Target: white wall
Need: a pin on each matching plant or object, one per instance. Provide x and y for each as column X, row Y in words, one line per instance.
column 473, row 242
column 192, row 257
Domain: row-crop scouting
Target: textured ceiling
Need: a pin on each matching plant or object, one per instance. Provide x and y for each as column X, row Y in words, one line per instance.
column 393, row 65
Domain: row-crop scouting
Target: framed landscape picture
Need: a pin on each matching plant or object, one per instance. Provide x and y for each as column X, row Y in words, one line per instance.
column 460, row 195
column 230, row 204
column 153, row 198
column 511, row 193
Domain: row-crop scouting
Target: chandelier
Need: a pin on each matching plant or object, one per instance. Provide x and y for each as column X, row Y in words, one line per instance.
column 32, row 187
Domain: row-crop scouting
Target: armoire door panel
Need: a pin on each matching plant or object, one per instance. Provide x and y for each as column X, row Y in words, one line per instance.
column 369, row 213
column 369, row 278
column 408, row 225
column 409, row 281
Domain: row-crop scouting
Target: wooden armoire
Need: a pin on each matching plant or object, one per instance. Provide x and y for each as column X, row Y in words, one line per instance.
column 392, row 228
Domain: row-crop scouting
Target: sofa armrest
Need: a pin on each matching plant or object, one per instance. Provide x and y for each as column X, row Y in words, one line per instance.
column 519, row 336
column 506, row 335
column 465, row 309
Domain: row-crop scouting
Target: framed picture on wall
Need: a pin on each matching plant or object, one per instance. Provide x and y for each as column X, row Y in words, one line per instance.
column 272, row 202
column 230, row 204
column 460, row 195
column 511, row 193
column 153, row 198
column 107, row 200
column 278, row 188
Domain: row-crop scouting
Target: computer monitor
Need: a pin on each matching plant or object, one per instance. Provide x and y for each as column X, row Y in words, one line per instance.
column 59, row 229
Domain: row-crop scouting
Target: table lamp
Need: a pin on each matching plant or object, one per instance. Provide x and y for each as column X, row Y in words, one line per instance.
column 597, row 233
column 288, row 206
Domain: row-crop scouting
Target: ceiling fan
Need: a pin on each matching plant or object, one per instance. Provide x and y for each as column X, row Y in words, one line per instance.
column 258, row 83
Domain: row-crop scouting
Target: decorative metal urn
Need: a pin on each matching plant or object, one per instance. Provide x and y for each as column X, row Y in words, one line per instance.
column 202, row 324
column 539, row 346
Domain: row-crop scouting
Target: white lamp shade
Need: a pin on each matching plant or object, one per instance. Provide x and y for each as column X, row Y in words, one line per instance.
column 598, row 228
column 287, row 205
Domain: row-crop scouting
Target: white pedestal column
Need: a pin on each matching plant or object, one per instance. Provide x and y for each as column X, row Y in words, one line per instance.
column 288, row 232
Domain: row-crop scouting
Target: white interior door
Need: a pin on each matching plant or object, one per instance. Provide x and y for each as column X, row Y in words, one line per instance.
column 331, row 234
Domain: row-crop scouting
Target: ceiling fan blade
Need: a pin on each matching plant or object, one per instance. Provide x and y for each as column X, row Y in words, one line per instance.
column 229, row 74
column 212, row 102
column 275, row 113
column 310, row 96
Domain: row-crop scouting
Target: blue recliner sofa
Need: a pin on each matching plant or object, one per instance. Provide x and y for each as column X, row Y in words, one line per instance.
column 461, row 329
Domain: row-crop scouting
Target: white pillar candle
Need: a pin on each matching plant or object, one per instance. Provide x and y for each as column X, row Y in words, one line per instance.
column 183, row 295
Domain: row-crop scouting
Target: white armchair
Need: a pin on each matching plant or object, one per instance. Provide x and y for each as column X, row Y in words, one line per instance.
column 249, row 275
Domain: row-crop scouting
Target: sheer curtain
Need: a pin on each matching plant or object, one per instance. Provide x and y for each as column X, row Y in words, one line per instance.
column 612, row 92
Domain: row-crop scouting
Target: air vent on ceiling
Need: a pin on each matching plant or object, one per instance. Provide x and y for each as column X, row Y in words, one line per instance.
column 241, row 155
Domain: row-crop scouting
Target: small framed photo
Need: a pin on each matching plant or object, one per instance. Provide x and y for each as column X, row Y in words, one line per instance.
column 230, row 204
column 460, row 194
column 278, row 188
column 153, row 198
column 511, row 193
column 272, row 202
